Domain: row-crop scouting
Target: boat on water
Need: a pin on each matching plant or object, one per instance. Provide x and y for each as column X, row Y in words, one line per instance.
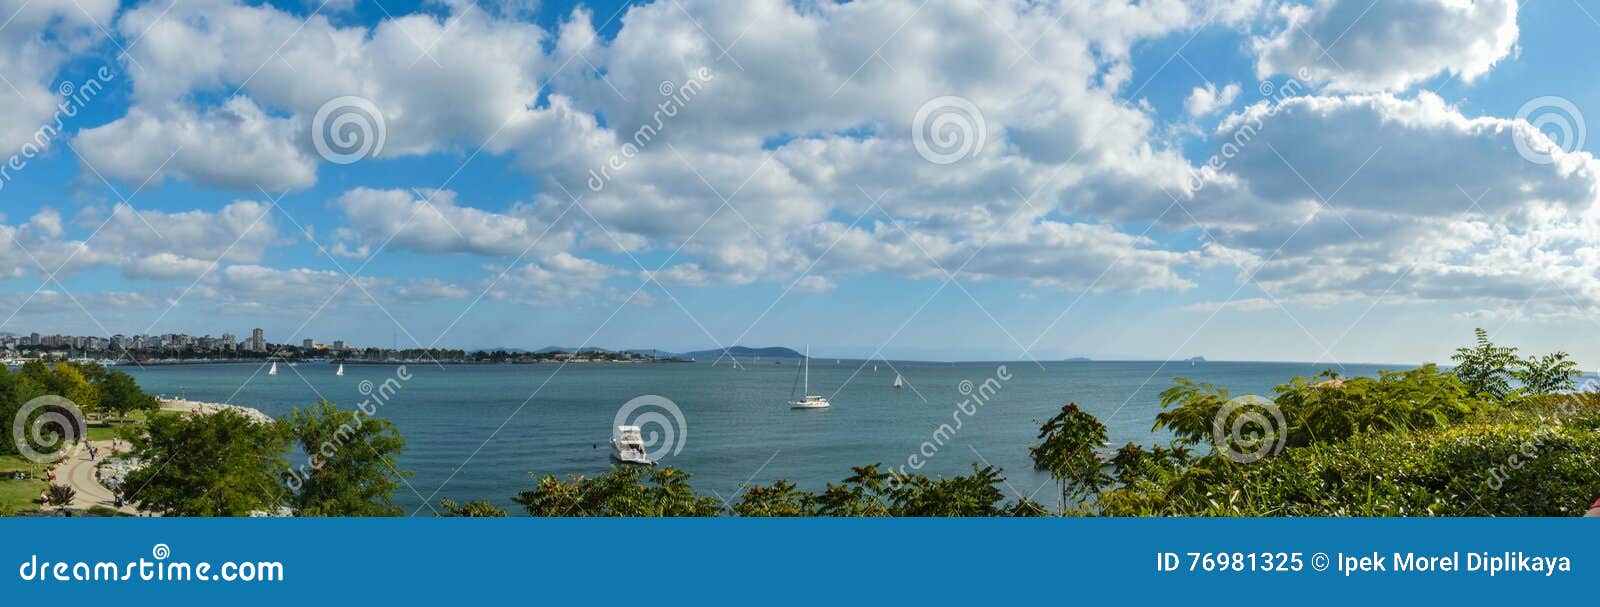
column 273, row 370
column 899, row 382
column 340, row 372
column 627, row 447
column 808, row 400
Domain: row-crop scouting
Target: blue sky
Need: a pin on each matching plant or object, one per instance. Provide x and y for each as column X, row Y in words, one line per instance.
column 820, row 179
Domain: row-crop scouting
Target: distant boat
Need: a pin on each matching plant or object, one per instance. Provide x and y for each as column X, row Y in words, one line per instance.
column 273, row 370
column 899, row 382
column 340, row 372
column 874, row 368
column 808, row 400
column 627, row 447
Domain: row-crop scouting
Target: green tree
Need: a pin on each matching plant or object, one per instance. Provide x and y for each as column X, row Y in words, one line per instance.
column 1547, row 374
column 351, row 469
column 221, row 464
column 1067, row 452
column 630, row 491
column 15, row 390
column 473, row 509
column 121, row 395
column 66, row 380
column 1486, row 368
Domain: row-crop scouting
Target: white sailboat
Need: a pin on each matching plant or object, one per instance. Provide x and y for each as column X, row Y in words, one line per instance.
column 340, row 372
column 899, row 382
column 273, row 370
column 808, row 400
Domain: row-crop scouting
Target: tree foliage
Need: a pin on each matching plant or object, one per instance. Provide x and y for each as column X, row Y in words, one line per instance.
column 351, row 468
column 1069, row 451
column 473, row 509
column 221, row 464
column 631, row 491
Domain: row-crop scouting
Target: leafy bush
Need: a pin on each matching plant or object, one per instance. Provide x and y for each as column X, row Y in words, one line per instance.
column 1537, row 462
column 624, row 491
column 1329, row 408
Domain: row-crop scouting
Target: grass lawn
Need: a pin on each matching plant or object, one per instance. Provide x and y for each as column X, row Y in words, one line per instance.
column 13, row 463
column 17, row 496
column 106, row 429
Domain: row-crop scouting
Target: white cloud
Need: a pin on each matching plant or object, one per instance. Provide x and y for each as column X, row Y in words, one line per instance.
column 553, row 280
column 236, row 145
column 38, row 38
column 142, row 243
column 1357, row 45
column 430, row 221
column 1423, row 204
column 429, row 289
column 1207, row 99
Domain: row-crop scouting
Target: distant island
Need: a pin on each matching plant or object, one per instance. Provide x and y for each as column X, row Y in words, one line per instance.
column 1079, row 359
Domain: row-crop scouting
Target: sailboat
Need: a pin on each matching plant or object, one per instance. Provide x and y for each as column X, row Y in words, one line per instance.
column 899, row 382
column 340, row 372
column 808, row 400
column 273, row 370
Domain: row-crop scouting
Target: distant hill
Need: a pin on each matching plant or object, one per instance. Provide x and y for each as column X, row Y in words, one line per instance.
column 743, row 352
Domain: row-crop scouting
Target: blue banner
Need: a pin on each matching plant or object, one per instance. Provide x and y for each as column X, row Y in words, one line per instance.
column 826, row 561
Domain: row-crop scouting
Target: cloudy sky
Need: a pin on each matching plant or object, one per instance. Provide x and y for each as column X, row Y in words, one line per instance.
column 1319, row 180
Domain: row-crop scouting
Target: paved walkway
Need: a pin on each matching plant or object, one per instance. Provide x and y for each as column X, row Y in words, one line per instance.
column 78, row 472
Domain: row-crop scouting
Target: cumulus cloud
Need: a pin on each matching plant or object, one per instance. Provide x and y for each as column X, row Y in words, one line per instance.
column 797, row 152
column 39, row 37
column 431, row 221
column 147, row 244
column 1356, row 45
column 1206, row 99
column 1411, row 200
column 555, row 279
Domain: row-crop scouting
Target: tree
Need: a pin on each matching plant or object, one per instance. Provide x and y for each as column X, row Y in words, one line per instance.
column 121, row 395
column 473, row 509
column 66, row 380
column 1486, row 368
column 220, row 464
column 1547, row 374
column 630, row 491
column 1067, row 451
column 15, row 390
column 351, row 469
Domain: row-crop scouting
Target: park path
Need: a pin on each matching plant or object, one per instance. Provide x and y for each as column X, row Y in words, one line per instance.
column 78, row 472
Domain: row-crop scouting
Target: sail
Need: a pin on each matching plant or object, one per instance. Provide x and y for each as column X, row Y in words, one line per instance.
column 899, row 382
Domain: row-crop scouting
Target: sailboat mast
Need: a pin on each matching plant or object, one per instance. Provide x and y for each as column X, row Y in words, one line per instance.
column 807, row 390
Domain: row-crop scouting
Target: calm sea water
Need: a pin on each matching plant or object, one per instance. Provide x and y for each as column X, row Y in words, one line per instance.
column 478, row 432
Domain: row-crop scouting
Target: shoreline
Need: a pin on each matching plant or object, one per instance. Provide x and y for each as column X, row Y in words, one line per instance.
column 204, row 408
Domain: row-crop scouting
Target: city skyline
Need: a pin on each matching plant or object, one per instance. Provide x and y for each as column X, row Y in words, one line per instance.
column 1331, row 181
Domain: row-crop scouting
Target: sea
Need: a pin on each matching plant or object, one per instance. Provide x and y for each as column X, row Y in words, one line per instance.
column 487, row 431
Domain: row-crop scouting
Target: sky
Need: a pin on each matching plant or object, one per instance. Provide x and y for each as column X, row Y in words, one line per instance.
column 1333, row 181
